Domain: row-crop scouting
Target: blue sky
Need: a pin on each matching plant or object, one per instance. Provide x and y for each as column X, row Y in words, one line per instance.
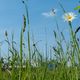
column 11, row 19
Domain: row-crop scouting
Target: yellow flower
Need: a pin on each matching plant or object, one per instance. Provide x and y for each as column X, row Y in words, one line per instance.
column 69, row 16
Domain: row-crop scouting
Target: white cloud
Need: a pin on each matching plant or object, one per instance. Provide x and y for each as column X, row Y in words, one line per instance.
column 46, row 14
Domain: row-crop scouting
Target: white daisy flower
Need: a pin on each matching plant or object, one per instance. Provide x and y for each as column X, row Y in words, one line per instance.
column 69, row 16
column 34, row 63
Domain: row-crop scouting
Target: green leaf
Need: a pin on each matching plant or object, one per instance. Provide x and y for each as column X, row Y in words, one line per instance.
column 76, row 8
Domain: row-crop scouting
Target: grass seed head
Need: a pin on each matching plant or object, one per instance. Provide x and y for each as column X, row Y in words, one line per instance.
column 24, row 23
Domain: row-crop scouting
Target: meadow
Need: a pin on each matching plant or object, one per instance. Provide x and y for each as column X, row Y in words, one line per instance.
column 65, row 64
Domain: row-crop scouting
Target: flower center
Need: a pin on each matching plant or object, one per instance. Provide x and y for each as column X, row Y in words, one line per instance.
column 69, row 17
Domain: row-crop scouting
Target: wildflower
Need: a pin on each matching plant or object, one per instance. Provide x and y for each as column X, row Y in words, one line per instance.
column 34, row 63
column 50, row 13
column 53, row 12
column 51, row 66
column 69, row 16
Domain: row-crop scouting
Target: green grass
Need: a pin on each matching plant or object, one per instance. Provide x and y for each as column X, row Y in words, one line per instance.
column 36, row 67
